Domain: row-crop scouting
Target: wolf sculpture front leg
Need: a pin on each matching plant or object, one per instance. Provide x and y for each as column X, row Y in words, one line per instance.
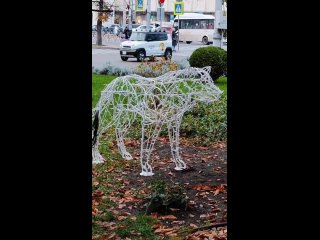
column 96, row 156
column 122, row 148
column 149, row 136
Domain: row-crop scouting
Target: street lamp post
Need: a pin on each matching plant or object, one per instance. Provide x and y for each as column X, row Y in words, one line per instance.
column 216, row 35
column 161, row 2
column 148, row 14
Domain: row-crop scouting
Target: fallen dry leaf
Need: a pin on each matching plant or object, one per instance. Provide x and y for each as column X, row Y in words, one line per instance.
column 193, row 225
column 201, row 187
column 177, row 222
column 157, row 225
column 130, row 143
column 171, row 234
column 164, row 230
column 112, row 236
column 202, row 148
column 121, row 206
column 95, row 184
column 110, row 170
column 120, row 218
column 108, row 224
column 174, row 209
column 154, row 215
column 168, row 217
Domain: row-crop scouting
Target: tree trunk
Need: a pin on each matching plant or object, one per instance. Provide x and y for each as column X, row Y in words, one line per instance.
column 99, row 24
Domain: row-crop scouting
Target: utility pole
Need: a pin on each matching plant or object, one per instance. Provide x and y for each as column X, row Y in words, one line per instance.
column 160, row 14
column 148, row 14
column 130, row 14
column 216, row 35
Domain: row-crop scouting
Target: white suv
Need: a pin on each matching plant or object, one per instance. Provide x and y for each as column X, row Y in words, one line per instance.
column 146, row 44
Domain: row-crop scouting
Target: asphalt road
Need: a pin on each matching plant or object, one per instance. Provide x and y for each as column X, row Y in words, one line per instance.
column 109, row 54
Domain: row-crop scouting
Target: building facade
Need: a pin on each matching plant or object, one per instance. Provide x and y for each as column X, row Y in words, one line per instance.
column 120, row 15
column 192, row 6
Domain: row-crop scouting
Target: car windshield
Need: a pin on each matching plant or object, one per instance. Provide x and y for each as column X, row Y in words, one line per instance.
column 138, row 36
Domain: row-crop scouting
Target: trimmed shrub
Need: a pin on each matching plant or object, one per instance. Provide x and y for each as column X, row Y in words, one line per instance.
column 111, row 70
column 210, row 56
column 206, row 123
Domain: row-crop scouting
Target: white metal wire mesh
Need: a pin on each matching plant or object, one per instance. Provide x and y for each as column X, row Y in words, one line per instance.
column 158, row 101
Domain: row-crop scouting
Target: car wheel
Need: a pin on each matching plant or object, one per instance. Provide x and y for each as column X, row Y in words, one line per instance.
column 188, row 42
column 205, row 40
column 124, row 58
column 168, row 54
column 141, row 56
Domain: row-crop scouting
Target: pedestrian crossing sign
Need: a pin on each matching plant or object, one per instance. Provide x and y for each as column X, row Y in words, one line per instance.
column 178, row 8
column 139, row 5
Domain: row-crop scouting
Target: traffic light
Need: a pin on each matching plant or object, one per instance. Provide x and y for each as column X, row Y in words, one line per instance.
column 161, row 1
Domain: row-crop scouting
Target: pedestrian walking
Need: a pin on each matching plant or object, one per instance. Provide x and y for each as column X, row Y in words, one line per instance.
column 126, row 32
column 174, row 40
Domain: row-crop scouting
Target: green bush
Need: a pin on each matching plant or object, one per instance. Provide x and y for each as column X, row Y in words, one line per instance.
column 210, row 56
column 206, row 123
column 163, row 197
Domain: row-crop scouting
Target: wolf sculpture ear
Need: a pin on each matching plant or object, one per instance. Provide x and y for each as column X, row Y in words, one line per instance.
column 207, row 69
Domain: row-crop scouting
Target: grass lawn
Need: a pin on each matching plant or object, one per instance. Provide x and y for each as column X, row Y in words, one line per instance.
column 99, row 82
column 222, row 84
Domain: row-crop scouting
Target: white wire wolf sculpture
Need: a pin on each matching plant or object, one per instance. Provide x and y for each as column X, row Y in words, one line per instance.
column 158, row 101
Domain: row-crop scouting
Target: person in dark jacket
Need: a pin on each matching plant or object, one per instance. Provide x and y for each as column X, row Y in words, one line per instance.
column 174, row 40
column 126, row 32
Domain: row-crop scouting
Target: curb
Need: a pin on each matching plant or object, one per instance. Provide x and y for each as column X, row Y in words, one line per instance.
column 105, row 47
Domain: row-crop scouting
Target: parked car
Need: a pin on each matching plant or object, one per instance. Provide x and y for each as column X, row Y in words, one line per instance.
column 134, row 26
column 165, row 29
column 94, row 27
column 143, row 27
column 144, row 44
column 105, row 29
column 115, row 29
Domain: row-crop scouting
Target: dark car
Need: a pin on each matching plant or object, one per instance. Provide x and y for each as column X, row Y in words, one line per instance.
column 105, row 29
